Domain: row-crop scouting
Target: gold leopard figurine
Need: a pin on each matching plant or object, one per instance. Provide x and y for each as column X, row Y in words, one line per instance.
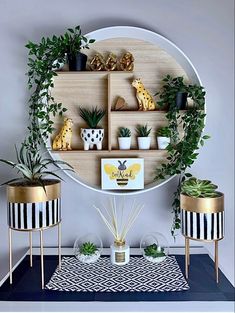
column 63, row 140
column 145, row 100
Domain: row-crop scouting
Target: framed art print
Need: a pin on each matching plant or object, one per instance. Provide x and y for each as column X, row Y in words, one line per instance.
column 122, row 174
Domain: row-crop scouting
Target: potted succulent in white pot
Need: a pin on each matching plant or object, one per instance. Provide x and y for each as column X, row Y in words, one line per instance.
column 163, row 137
column 124, row 138
column 92, row 136
column 143, row 137
column 154, row 253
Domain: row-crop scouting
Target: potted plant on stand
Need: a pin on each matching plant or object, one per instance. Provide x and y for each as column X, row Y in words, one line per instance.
column 33, row 198
column 163, row 137
column 124, row 138
column 202, row 210
column 75, row 42
column 143, row 137
column 92, row 136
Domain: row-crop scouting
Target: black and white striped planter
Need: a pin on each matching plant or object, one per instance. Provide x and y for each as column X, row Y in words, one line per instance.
column 30, row 208
column 202, row 218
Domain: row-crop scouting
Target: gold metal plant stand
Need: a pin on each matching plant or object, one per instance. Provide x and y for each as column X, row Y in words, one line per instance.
column 187, row 257
column 31, row 248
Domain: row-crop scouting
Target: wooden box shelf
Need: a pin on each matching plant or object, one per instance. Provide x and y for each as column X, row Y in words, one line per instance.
column 101, row 89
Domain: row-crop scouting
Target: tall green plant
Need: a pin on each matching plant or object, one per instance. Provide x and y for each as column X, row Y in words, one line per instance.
column 44, row 59
column 182, row 151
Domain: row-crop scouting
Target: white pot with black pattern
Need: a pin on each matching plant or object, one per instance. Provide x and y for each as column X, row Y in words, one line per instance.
column 30, row 207
column 92, row 137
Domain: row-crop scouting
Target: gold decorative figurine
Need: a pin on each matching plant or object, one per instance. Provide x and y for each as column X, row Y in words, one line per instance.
column 127, row 62
column 111, row 62
column 63, row 140
column 145, row 100
column 97, row 63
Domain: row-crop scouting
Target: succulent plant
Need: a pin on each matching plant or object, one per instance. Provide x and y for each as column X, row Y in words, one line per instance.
column 88, row 248
column 92, row 116
column 142, row 130
column 33, row 168
column 197, row 188
column 164, row 132
column 154, row 251
column 124, row 132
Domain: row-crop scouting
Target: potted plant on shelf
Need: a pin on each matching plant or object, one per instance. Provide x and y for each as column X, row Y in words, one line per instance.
column 163, row 137
column 92, row 136
column 143, row 137
column 124, row 138
column 202, row 209
column 34, row 199
column 154, row 253
column 75, row 42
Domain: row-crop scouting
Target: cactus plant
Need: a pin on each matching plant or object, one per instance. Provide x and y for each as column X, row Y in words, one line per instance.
column 154, row 251
column 124, row 132
column 164, row 132
column 143, row 131
column 197, row 188
column 88, row 248
column 92, row 116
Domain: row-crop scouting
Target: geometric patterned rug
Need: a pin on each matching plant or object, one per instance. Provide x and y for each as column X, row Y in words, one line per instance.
column 139, row 275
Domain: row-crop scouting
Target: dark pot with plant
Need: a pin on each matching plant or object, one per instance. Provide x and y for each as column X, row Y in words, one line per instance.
column 92, row 136
column 75, row 42
column 33, row 199
column 202, row 208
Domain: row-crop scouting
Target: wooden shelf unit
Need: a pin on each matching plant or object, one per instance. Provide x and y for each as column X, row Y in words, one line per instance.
column 101, row 89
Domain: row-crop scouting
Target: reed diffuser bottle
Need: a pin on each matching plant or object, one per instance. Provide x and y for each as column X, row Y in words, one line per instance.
column 119, row 222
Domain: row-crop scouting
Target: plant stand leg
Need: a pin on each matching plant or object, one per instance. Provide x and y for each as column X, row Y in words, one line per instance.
column 186, row 257
column 31, row 248
column 216, row 262
column 188, row 252
column 10, row 254
column 42, row 263
column 59, row 244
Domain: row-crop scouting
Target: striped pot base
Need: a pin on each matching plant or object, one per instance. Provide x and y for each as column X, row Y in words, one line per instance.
column 202, row 226
column 29, row 216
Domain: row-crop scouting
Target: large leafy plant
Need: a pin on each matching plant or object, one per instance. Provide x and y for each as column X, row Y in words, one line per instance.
column 186, row 138
column 45, row 58
column 33, row 168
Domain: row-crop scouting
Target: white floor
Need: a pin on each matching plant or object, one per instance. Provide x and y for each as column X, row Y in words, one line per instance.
column 10, row 306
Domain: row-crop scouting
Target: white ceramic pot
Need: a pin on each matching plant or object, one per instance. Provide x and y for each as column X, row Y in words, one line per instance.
column 124, row 143
column 92, row 137
column 163, row 142
column 144, row 143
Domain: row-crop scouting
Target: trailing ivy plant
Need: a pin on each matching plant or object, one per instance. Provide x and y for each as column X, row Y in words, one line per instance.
column 45, row 58
column 186, row 138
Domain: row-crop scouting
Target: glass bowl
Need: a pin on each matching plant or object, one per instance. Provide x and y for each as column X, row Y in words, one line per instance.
column 154, row 247
column 88, row 248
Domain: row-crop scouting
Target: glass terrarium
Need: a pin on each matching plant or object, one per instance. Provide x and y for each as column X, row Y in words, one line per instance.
column 154, row 247
column 88, row 248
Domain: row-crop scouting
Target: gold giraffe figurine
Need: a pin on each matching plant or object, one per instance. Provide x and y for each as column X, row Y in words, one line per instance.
column 63, row 140
column 145, row 100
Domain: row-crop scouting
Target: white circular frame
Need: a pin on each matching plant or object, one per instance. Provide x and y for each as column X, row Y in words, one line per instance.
column 156, row 39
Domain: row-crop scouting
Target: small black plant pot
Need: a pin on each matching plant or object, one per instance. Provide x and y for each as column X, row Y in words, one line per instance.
column 77, row 62
column 181, row 100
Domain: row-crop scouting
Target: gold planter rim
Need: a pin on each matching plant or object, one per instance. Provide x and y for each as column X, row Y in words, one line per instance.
column 202, row 205
column 33, row 194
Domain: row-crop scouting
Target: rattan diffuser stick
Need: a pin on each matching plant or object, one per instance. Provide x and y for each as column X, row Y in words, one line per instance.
column 115, row 219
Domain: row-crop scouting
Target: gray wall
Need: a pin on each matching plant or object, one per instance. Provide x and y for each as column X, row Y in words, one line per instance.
column 203, row 29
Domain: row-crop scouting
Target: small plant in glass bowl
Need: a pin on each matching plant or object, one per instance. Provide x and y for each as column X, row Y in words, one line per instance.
column 143, row 138
column 163, row 137
column 88, row 248
column 154, row 253
column 124, row 138
column 92, row 136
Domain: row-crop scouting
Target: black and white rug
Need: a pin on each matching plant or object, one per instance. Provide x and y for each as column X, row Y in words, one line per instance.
column 139, row 275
